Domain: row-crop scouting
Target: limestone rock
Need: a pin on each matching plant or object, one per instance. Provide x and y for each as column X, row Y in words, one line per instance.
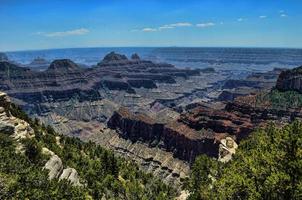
column 46, row 151
column 227, row 148
column 72, row 175
column 55, row 167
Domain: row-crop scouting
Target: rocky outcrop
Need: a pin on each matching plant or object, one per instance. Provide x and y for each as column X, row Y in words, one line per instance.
column 55, row 167
column 70, row 174
column 260, row 114
column 290, row 80
column 227, row 148
column 3, row 57
column 219, row 121
column 15, row 127
column 135, row 57
column 63, row 66
column 184, row 142
column 114, row 57
column 56, row 170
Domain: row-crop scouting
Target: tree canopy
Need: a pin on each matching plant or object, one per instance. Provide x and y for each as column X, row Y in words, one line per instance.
column 267, row 165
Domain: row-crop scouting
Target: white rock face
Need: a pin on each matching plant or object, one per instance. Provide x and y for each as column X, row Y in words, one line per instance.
column 227, row 148
column 15, row 127
column 46, row 151
column 72, row 175
column 55, row 167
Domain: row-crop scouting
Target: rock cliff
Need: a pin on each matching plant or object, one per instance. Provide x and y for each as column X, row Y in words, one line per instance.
column 290, row 80
column 184, row 142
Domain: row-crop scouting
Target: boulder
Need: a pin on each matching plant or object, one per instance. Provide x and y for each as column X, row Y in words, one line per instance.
column 72, row 175
column 55, row 167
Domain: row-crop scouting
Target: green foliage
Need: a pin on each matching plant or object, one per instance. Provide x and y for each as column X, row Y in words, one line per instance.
column 282, row 100
column 268, row 165
column 102, row 173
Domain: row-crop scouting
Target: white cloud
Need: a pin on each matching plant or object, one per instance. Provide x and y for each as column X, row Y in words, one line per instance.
column 149, row 29
column 240, row 19
column 81, row 31
column 283, row 15
column 204, row 25
column 180, row 24
column 166, row 27
column 262, row 16
column 281, row 11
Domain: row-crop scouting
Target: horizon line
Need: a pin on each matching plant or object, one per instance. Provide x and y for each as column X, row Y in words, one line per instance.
column 110, row 47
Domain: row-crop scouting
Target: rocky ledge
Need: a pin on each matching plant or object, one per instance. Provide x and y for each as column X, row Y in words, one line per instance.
column 290, row 80
column 184, row 142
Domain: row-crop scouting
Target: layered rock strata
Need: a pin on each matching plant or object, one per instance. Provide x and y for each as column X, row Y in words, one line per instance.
column 184, row 142
column 290, row 80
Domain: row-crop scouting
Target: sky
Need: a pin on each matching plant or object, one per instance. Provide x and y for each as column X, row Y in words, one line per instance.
column 46, row 24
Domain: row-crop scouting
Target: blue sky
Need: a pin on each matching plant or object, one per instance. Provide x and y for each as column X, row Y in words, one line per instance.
column 42, row 24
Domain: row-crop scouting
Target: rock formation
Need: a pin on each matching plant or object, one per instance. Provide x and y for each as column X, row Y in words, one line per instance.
column 64, row 80
column 220, row 121
column 184, row 142
column 114, row 57
column 63, row 66
column 290, row 80
column 55, row 167
column 135, row 57
column 56, row 170
column 17, row 128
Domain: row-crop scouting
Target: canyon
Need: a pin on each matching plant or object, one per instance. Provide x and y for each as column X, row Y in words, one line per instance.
column 156, row 114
